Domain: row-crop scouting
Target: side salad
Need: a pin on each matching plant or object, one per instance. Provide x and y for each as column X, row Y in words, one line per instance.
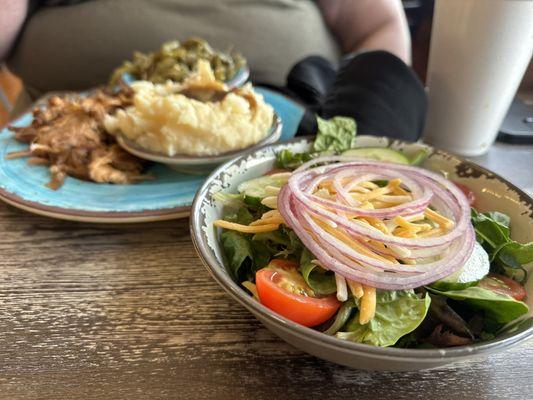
column 362, row 244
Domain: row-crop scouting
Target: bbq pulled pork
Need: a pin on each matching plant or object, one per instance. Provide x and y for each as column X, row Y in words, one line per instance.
column 68, row 135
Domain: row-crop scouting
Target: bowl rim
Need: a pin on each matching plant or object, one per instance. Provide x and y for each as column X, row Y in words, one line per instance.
column 219, row 273
column 131, row 147
column 240, row 77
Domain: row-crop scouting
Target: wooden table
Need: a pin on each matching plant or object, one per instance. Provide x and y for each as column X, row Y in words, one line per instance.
column 128, row 312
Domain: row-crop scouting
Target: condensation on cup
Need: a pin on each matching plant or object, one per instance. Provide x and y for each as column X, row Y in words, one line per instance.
column 479, row 52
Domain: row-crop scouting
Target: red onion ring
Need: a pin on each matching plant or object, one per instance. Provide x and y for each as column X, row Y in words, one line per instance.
column 299, row 206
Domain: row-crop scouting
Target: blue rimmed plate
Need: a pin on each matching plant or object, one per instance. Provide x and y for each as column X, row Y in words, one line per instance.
column 169, row 196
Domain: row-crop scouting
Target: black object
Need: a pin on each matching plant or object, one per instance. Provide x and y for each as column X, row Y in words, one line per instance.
column 309, row 82
column 376, row 88
column 311, row 79
column 517, row 127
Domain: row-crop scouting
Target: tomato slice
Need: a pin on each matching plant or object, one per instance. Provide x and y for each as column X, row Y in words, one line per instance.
column 503, row 285
column 471, row 197
column 282, row 289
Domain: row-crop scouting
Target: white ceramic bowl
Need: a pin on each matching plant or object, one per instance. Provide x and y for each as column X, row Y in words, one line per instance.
column 197, row 164
column 492, row 191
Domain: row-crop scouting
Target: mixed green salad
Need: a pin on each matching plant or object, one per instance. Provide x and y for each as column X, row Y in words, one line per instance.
column 372, row 249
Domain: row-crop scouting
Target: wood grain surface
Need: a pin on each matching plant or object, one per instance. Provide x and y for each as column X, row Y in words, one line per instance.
column 128, row 312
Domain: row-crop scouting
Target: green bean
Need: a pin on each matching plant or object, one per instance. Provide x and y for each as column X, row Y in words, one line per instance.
column 175, row 61
column 341, row 318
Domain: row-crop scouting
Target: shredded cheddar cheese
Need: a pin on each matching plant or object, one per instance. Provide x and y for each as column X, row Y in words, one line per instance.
column 270, row 201
column 439, row 219
column 356, row 288
column 368, row 196
column 367, row 308
column 245, row 228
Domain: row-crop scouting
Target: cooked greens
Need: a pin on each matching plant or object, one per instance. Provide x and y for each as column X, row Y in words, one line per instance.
column 175, row 61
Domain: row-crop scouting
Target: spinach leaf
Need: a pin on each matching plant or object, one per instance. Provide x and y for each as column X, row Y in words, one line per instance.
column 320, row 280
column 262, row 255
column 397, row 314
column 506, row 255
column 499, row 217
column 281, row 243
column 516, row 253
column 275, row 237
column 499, row 309
column 336, row 134
column 491, row 232
column 247, row 253
column 239, row 254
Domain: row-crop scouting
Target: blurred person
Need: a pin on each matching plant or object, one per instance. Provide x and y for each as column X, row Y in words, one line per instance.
column 75, row 44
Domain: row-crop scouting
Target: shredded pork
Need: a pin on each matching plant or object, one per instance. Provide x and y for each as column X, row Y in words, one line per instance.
column 68, row 135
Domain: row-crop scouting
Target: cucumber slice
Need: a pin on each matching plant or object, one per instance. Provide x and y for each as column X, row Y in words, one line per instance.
column 474, row 270
column 261, row 187
column 378, row 153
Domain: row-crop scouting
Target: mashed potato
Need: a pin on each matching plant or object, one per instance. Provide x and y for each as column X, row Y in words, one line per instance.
column 163, row 120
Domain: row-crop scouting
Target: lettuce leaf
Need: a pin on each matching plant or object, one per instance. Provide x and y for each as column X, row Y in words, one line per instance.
column 321, row 281
column 245, row 254
column 281, row 243
column 239, row 253
column 335, row 135
column 492, row 229
column 499, row 309
column 241, row 215
column 397, row 314
column 229, row 199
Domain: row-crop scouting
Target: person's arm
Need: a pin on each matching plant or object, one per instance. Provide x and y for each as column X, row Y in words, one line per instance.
column 369, row 24
column 11, row 20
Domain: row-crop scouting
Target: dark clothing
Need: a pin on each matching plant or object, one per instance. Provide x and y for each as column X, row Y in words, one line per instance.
column 376, row 88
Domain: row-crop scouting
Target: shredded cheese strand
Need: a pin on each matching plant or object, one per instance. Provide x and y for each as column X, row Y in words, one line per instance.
column 356, row 288
column 245, row 228
column 367, row 305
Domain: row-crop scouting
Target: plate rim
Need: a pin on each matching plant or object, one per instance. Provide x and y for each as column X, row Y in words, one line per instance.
column 94, row 216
